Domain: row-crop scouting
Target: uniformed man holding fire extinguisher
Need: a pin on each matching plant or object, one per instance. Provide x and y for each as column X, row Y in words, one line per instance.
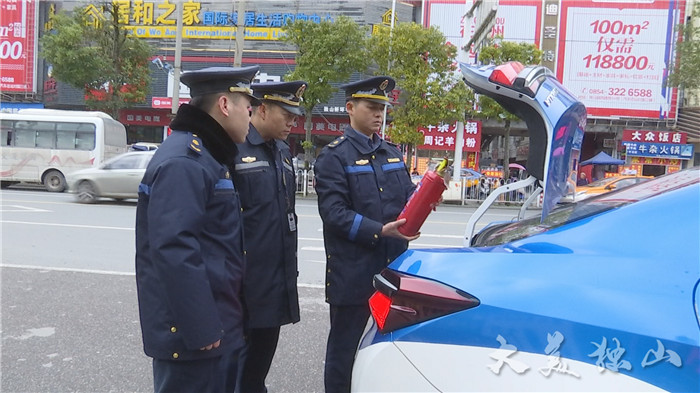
column 362, row 184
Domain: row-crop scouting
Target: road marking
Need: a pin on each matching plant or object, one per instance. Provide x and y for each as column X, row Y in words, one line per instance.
column 112, row 273
column 67, row 225
column 67, row 269
column 23, row 209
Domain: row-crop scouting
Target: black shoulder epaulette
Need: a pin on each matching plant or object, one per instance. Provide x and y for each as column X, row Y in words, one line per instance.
column 196, row 144
column 337, row 141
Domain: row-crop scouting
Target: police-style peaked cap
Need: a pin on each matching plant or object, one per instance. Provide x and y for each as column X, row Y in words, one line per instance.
column 374, row 89
column 288, row 95
column 220, row 79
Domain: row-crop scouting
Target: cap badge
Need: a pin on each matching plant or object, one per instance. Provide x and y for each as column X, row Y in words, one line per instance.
column 248, row 159
column 384, row 84
column 300, row 91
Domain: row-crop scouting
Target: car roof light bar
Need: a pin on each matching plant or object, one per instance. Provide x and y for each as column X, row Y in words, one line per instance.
column 505, row 74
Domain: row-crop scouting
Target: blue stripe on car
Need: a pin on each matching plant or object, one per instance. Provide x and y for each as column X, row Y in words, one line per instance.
column 580, row 343
column 355, row 227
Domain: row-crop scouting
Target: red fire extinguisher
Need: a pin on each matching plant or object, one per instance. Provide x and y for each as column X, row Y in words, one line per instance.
column 423, row 200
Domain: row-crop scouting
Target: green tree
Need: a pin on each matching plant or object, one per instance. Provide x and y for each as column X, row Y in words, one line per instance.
column 98, row 57
column 685, row 74
column 327, row 52
column 423, row 65
column 499, row 52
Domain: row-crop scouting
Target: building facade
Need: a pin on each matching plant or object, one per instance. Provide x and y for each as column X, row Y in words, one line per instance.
column 613, row 56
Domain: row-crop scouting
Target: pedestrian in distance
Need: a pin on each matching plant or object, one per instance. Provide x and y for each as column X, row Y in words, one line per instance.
column 264, row 174
column 189, row 238
column 362, row 184
column 583, row 180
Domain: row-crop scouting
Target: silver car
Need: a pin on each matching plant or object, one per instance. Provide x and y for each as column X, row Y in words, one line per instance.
column 117, row 178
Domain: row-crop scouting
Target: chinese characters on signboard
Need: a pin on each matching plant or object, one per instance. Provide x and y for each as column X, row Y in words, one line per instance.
column 157, row 19
column 444, row 136
column 663, row 144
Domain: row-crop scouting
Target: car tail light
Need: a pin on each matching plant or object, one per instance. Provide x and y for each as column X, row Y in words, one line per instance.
column 402, row 300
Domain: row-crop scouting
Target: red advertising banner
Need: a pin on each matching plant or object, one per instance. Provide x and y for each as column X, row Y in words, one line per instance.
column 17, row 45
column 654, row 136
column 614, row 56
column 444, row 136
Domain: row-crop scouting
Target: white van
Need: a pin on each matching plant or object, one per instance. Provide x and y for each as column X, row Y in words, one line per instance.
column 43, row 145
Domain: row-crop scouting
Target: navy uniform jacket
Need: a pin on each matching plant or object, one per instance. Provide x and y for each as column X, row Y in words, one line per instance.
column 265, row 179
column 362, row 184
column 189, row 248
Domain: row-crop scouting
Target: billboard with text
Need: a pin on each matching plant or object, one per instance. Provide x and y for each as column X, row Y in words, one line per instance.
column 18, row 45
column 615, row 56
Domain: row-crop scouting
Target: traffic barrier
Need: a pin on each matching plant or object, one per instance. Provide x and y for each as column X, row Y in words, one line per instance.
column 306, row 182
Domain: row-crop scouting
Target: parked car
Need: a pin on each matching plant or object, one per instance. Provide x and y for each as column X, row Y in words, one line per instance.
column 118, row 178
column 597, row 295
column 144, row 146
column 604, row 185
column 602, row 295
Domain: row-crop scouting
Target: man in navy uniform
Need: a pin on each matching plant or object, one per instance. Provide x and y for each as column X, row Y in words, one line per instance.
column 362, row 184
column 189, row 238
column 266, row 182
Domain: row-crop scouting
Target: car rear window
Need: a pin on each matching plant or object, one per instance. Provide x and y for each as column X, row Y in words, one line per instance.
column 576, row 211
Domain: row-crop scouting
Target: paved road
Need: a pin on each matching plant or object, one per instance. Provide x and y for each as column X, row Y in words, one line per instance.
column 69, row 312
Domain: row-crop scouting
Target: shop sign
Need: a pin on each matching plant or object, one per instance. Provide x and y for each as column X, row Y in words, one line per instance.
column 157, row 19
column 323, row 125
column 144, row 117
column 665, row 150
column 166, row 102
column 671, row 162
column 444, row 136
column 654, row 136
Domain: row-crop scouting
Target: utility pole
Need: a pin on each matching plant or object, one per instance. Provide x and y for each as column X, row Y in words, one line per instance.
column 178, row 60
column 391, row 30
column 240, row 23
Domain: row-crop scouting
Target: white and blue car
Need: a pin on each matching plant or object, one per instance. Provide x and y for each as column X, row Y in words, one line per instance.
column 599, row 295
